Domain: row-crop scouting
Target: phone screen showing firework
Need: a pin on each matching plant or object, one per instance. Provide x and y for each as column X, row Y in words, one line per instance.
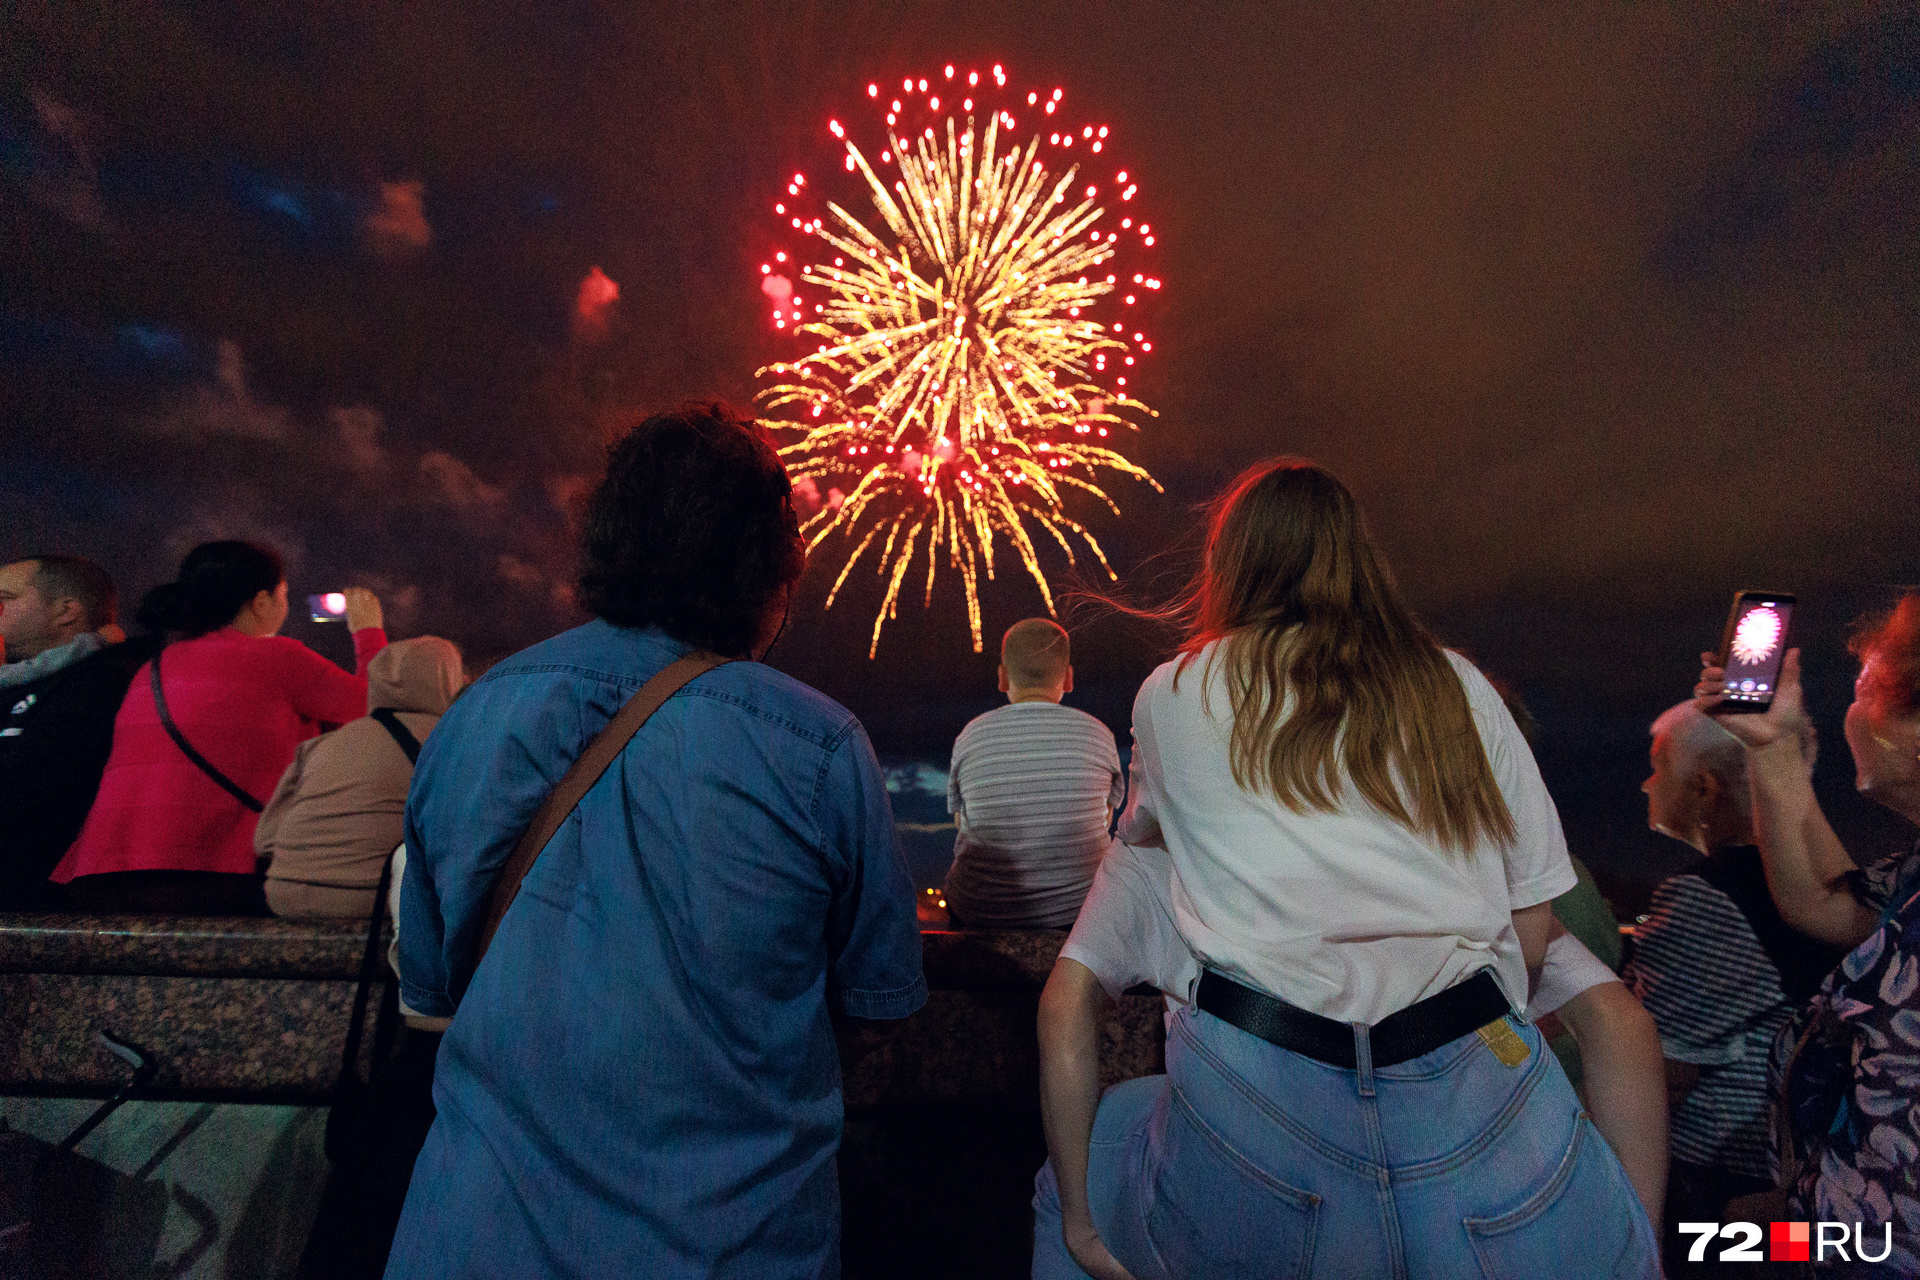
column 329, row 607
column 1754, row 647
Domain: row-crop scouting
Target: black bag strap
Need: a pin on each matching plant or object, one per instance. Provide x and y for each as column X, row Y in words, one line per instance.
column 401, row 734
column 1803, row 963
column 206, row 766
column 371, row 962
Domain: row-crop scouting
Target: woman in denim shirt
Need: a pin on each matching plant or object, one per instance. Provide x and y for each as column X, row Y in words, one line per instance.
column 641, row 1077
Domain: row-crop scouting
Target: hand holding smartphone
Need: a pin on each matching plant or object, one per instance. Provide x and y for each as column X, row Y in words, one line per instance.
column 1753, row 648
column 358, row 607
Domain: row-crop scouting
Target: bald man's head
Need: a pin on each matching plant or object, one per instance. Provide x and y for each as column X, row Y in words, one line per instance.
column 1035, row 658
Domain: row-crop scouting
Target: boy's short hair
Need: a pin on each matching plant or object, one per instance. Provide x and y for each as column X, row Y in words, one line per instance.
column 1035, row 653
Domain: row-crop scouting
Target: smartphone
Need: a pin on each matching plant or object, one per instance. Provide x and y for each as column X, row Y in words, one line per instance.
column 1754, row 647
column 328, row 607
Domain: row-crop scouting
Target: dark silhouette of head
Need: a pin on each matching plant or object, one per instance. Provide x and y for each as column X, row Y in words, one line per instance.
column 216, row 580
column 692, row 529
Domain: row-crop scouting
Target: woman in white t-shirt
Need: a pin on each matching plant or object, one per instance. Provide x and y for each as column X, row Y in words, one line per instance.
column 1363, row 857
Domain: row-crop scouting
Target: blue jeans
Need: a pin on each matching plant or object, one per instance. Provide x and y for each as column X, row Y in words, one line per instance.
column 1249, row 1160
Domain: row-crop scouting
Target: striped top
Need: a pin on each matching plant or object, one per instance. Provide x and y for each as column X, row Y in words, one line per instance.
column 1719, row 1000
column 1030, row 789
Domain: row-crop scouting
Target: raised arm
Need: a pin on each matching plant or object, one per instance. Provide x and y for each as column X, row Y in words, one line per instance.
column 320, row 690
column 1069, row 1097
column 1807, row 868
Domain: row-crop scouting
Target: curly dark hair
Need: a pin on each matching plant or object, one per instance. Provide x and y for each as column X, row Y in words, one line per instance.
column 692, row 529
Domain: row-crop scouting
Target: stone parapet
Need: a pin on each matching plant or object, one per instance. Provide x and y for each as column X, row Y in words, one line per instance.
column 257, row 1010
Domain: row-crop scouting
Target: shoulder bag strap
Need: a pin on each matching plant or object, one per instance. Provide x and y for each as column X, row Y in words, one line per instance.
column 399, row 732
column 600, row 753
column 206, row 766
column 370, row 966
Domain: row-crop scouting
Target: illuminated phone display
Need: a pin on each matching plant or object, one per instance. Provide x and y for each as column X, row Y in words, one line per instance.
column 330, row 607
column 1755, row 647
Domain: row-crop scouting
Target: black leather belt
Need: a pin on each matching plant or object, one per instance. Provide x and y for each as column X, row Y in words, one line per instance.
column 1399, row 1037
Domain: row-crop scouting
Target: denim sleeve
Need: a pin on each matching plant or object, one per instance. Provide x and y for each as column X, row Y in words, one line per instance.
column 473, row 794
column 423, row 965
column 873, row 930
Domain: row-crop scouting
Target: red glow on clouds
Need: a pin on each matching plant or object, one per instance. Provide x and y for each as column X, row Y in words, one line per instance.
column 598, row 292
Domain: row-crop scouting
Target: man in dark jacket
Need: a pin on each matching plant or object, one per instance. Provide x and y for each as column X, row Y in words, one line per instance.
column 61, row 683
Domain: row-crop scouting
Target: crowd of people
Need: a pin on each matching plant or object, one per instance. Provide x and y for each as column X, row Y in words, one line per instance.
column 650, row 904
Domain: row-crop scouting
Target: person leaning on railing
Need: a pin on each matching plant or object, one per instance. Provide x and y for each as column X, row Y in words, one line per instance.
column 1363, row 860
column 641, row 1077
column 1848, row 1074
column 64, row 668
column 206, row 730
column 335, row 818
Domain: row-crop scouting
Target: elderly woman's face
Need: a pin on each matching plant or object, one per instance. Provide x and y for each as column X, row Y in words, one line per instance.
column 1885, row 745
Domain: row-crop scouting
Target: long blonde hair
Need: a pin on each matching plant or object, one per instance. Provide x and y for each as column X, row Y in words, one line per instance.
column 1330, row 675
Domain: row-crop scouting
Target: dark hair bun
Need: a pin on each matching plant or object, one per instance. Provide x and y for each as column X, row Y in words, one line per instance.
column 216, row 581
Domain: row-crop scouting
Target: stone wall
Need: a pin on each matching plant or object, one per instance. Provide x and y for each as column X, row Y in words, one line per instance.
column 943, row 1125
column 257, row 1010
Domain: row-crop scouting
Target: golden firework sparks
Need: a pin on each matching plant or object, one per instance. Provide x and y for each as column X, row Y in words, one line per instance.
column 972, row 345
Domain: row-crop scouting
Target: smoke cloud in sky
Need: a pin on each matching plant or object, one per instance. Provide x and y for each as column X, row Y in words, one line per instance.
column 398, row 224
column 1603, row 312
column 598, row 293
column 222, row 407
column 55, row 167
column 358, row 428
column 450, row 482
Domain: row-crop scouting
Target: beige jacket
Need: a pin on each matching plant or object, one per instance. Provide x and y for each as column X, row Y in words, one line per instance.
column 336, row 815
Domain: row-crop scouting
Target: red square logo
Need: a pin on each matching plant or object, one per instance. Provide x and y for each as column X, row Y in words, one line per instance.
column 1790, row 1242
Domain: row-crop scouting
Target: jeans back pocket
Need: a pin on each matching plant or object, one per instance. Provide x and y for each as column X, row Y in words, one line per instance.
column 1585, row 1222
column 1216, row 1213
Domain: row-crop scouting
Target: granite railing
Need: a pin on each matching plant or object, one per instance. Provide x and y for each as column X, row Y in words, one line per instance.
column 235, row 1009
column 257, row 1010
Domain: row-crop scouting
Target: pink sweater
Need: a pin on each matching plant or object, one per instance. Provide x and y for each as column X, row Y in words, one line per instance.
column 245, row 703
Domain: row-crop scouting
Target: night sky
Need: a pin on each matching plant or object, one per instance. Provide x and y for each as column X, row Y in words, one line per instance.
column 1603, row 312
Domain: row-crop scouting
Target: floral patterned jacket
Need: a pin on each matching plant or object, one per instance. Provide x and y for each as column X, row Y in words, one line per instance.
column 1852, row 1096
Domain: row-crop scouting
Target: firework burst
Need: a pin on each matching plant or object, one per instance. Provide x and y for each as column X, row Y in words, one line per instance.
column 973, row 331
column 1755, row 637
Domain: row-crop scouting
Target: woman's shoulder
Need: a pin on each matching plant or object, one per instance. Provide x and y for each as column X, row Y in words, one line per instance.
column 1488, row 707
column 1181, row 674
column 1472, row 679
column 231, row 645
column 231, row 652
column 285, row 657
